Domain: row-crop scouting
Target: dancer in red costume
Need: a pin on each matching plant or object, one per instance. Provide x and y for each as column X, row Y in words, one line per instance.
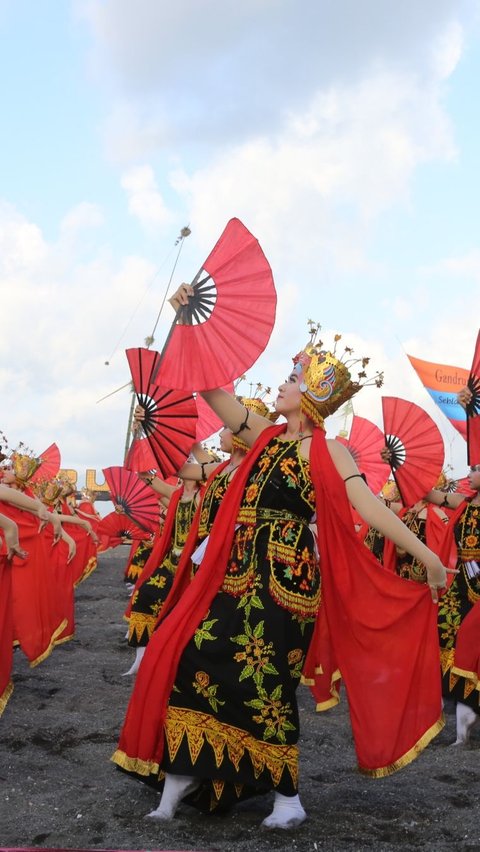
column 154, row 583
column 426, row 521
column 37, row 623
column 459, row 610
column 62, row 553
column 214, row 705
column 83, row 534
column 9, row 547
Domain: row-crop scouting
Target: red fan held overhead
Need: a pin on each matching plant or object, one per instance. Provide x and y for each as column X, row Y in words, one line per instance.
column 170, row 418
column 227, row 322
column 416, row 445
column 473, row 409
column 50, row 465
column 133, row 498
column 118, row 527
column 365, row 442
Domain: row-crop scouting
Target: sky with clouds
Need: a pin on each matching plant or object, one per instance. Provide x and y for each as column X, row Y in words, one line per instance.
column 343, row 133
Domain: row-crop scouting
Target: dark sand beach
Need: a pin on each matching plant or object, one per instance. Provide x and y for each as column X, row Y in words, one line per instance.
column 59, row 789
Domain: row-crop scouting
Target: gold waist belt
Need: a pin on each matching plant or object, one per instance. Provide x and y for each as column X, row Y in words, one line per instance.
column 251, row 516
column 469, row 555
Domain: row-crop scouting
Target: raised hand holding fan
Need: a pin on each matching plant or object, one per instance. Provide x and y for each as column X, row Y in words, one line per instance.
column 416, row 447
column 227, row 322
column 169, row 425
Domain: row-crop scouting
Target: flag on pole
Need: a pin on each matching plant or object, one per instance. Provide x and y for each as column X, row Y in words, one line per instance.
column 443, row 384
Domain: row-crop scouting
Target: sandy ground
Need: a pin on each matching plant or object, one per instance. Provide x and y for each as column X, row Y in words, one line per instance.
column 59, row 789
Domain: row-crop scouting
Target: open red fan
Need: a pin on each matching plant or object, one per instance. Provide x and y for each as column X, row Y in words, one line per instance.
column 365, row 443
column 140, row 457
column 117, row 526
column 473, row 409
column 170, row 417
column 50, row 464
column 132, row 497
column 460, row 486
column 229, row 319
column 416, row 445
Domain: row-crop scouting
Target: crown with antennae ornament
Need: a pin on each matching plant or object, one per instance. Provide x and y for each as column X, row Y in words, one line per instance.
column 24, row 464
column 328, row 380
column 254, row 400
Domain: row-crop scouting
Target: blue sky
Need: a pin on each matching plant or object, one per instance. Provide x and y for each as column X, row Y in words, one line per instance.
column 345, row 137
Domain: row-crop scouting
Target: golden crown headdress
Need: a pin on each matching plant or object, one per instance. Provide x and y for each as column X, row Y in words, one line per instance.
column 390, row 492
column 326, row 379
column 68, row 487
column 24, row 464
column 253, row 401
column 445, row 482
column 48, row 490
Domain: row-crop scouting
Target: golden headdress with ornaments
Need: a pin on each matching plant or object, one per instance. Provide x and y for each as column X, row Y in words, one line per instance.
column 326, row 380
column 255, row 403
column 24, row 465
column 390, row 492
column 68, row 487
column 49, row 491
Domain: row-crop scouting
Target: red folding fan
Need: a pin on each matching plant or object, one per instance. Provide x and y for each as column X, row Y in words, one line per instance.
column 473, row 409
column 416, row 445
column 227, row 322
column 116, row 527
column 460, row 486
column 50, row 464
column 170, row 416
column 132, row 497
column 140, row 457
column 365, row 442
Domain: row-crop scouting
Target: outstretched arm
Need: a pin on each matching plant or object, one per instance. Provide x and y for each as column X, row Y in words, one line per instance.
column 10, row 532
column 448, row 499
column 22, row 501
column 376, row 514
column 233, row 414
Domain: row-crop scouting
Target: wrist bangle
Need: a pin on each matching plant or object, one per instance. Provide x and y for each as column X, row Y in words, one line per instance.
column 444, row 502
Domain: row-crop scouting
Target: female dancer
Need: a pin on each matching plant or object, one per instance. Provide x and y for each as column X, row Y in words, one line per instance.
column 156, row 579
column 217, row 684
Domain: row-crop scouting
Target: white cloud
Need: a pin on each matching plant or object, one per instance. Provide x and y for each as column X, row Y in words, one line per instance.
column 465, row 267
column 22, row 247
column 313, row 190
column 145, row 202
column 447, row 50
column 216, row 71
column 84, row 216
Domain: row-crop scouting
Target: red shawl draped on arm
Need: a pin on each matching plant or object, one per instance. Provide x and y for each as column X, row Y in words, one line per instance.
column 382, row 630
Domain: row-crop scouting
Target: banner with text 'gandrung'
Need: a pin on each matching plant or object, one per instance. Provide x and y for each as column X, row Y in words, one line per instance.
column 443, row 383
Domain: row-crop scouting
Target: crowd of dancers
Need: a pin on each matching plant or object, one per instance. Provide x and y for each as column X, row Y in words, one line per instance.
column 274, row 567
column 48, row 547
